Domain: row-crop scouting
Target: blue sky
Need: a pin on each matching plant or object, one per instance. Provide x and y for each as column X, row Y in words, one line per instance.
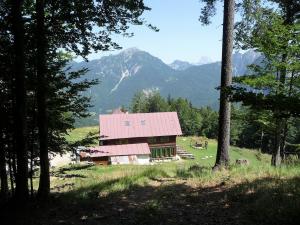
column 181, row 35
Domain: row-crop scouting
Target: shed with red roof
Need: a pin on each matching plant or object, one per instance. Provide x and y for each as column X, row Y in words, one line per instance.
column 118, row 154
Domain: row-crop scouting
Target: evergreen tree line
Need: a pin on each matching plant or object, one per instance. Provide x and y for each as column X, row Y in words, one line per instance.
column 249, row 128
column 41, row 97
column 193, row 121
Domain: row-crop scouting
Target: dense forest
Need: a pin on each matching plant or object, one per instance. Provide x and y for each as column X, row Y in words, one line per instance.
column 249, row 128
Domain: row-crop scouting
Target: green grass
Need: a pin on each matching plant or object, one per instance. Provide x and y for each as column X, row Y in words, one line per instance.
column 149, row 194
column 197, row 171
column 181, row 192
column 80, row 133
column 253, row 156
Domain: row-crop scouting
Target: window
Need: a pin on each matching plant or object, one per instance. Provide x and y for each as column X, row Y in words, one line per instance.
column 162, row 152
column 122, row 141
column 143, row 122
column 152, row 153
column 127, row 123
column 164, row 139
column 165, row 152
column 168, row 152
column 151, row 140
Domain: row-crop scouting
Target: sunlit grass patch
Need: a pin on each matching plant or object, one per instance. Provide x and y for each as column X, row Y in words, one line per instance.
column 80, row 133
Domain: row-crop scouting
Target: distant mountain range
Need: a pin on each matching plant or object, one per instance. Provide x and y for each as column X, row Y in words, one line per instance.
column 182, row 65
column 133, row 70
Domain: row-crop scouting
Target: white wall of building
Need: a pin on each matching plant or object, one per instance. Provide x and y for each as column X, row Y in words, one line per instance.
column 58, row 160
column 143, row 159
column 131, row 159
column 119, row 160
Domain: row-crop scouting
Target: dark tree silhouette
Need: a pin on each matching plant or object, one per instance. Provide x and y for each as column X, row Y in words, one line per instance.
column 41, row 42
column 20, row 101
column 3, row 175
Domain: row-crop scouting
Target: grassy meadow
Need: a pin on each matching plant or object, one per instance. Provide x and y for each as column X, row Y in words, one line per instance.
column 179, row 192
column 81, row 132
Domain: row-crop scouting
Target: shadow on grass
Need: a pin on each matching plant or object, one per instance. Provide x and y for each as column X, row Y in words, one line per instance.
column 262, row 201
column 75, row 167
column 61, row 173
column 64, row 176
column 193, row 171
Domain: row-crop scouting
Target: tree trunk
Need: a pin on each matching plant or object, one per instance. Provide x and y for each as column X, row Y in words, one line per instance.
column 20, row 92
column 11, row 177
column 283, row 141
column 31, row 163
column 44, row 185
column 281, row 124
column 285, row 131
column 3, row 173
column 261, row 140
column 226, row 79
column 14, row 167
column 276, row 157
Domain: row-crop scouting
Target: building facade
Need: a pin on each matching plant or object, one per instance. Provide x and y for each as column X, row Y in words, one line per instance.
column 160, row 146
column 158, row 130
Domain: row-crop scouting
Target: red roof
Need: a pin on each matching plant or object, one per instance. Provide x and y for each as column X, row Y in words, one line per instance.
column 118, row 150
column 117, row 126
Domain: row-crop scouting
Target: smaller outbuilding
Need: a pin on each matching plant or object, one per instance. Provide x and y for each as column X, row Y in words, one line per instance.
column 118, row 154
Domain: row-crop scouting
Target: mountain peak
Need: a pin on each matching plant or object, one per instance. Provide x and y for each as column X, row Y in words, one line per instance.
column 130, row 51
column 204, row 60
column 242, row 59
column 180, row 65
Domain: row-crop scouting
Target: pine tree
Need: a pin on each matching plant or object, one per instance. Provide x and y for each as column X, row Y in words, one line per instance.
column 222, row 158
column 20, row 131
column 41, row 49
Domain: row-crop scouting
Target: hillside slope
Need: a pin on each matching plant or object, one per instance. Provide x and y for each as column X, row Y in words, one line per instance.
column 182, row 192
